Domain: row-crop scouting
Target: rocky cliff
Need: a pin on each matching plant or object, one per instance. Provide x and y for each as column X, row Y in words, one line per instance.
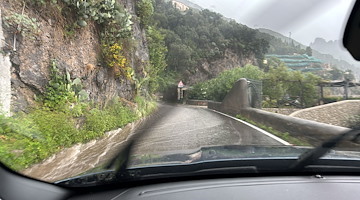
column 209, row 70
column 76, row 51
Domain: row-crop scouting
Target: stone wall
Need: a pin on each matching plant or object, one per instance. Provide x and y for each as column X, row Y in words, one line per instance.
column 283, row 111
column 337, row 113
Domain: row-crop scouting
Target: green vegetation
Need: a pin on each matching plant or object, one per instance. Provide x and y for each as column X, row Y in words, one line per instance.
column 285, row 136
column 194, row 37
column 113, row 55
column 28, row 139
column 113, row 21
column 64, row 117
column 216, row 89
column 279, row 84
column 302, row 62
column 145, row 11
column 283, row 45
column 155, row 78
column 157, row 53
column 62, row 92
column 23, row 24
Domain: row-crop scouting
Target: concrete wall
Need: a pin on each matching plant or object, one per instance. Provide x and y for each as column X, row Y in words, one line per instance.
column 236, row 99
column 284, row 111
column 5, row 76
column 214, row 105
column 338, row 113
column 313, row 132
column 236, row 102
column 197, row 102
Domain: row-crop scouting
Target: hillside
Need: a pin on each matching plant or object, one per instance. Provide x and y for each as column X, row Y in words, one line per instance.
column 53, row 38
column 72, row 71
column 283, row 38
column 333, row 48
column 190, row 4
column 326, row 58
column 201, row 44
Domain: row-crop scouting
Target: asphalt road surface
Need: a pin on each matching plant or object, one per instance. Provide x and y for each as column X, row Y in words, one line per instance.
column 182, row 127
column 171, row 129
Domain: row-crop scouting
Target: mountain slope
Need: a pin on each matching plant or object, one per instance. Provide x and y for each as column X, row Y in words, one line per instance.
column 333, row 48
column 327, row 55
column 282, row 37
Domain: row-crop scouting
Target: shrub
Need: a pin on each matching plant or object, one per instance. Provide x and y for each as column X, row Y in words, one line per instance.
column 145, row 10
column 216, row 89
column 23, row 24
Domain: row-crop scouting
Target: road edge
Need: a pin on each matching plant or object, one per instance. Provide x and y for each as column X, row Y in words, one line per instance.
column 255, row 127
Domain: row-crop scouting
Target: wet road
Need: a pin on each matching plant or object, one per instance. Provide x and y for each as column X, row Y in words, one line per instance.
column 181, row 127
column 171, row 129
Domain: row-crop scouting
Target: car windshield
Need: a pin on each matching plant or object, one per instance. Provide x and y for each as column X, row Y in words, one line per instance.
column 95, row 86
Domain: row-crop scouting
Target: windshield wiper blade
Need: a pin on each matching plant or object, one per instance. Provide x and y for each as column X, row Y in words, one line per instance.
column 121, row 161
column 315, row 154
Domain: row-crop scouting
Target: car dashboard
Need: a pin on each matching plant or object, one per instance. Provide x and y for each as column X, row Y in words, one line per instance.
column 257, row 188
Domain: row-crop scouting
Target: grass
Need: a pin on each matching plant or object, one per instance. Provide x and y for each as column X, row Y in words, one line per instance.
column 285, row 136
column 27, row 139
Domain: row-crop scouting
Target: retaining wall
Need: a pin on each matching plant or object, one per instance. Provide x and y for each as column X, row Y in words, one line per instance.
column 338, row 113
column 236, row 102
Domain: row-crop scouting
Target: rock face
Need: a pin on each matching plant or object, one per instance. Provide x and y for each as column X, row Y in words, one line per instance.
column 212, row 69
column 78, row 54
column 5, row 77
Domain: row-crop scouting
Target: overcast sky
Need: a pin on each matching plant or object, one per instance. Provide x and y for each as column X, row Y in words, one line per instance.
column 305, row 19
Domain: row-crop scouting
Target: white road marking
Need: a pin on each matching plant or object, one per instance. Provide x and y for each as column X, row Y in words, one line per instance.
column 256, row 128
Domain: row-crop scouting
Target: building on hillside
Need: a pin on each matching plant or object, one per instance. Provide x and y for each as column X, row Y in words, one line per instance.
column 180, row 6
column 299, row 62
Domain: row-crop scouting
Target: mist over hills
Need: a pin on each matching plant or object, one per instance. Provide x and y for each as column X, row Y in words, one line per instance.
column 334, row 48
column 330, row 52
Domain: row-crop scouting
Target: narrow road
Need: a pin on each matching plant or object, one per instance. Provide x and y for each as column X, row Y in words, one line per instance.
column 182, row 127
column 171, row 129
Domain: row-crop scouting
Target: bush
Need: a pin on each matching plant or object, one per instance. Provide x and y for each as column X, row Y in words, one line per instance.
column 99, row 121
column 217, row 88
column 145, row 10
column 331, row 99
column 144, row 107
column 27, row 139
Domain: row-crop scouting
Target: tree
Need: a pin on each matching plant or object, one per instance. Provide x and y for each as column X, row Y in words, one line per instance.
column 157, row 53
column 145, row 10
column 280, row 82
column 274, row 83
column 179, row 57
column 217, row 88
column 308, row 51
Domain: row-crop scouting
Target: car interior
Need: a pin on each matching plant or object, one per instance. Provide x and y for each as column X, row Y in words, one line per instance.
column 291, row 185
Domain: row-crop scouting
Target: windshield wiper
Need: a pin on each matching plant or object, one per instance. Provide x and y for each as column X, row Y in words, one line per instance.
column 313, row 155
column 121, row 161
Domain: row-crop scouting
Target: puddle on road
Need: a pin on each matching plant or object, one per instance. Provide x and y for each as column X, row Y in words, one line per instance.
column 81, row 157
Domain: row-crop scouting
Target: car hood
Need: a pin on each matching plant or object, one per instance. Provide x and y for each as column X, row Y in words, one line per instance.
column 226, row 152
column 243, row 158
